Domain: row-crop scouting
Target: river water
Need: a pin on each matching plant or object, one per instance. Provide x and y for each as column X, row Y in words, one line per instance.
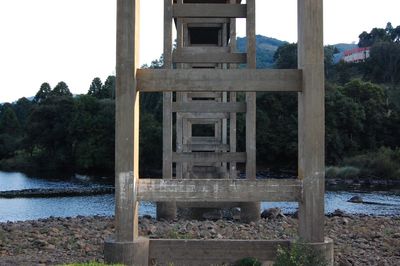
column 20, row 209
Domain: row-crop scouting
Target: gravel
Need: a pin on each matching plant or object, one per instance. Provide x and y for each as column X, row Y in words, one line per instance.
column 359, row 240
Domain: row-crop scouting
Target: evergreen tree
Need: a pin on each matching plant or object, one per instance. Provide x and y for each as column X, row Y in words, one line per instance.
column 61, row 90
column 108, row 89
column 95, row 88
column 43, row 93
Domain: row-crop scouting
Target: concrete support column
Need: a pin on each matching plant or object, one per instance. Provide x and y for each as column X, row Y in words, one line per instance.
column 126, row 247
column 311, row 123
column 311, row 120
column 167, row 210
column 251, row 211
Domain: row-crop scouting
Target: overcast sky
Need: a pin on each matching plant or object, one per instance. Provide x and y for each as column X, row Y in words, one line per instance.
column 74, row 40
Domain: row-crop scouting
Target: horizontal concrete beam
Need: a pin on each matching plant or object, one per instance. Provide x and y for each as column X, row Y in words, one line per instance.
column 217, row 80
column 206, row 147
column 204, row 140
column 219, row 190
column 205, row 115
column 209, row 11
column 208, row 107
column 212, row 252
column 195, row 252
column 207, row 55
column 209, row 157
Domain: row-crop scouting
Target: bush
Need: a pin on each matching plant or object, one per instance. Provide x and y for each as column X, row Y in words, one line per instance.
column 249, row 262
column 348, row 172
column 299, row 254
column 331, row 172
column 383, row 163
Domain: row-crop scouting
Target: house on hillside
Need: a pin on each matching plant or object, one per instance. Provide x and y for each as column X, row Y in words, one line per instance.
column 356, row 55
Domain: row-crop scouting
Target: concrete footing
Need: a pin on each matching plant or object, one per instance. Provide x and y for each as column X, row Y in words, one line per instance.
column 326, row 249
column 128, row 253
column 250, row 212
column 166, row 211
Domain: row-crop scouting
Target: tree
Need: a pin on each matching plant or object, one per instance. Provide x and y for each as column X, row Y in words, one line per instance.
column 23, row 108
column 344, row 123
column 285, row 56
column 9, row 123
column 108, row 89
column 9, row 131
column 95, row 88
column 383, row 66
column 61, row 90
column 372, row 98
column 49, row 128
column 92, row 131
column 43, row 93
column 376, row 35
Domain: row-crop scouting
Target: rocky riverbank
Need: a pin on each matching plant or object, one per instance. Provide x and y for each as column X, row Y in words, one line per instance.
column 359, row 240
column 55, row 192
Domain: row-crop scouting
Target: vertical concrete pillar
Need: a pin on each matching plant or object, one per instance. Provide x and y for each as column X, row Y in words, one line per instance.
column 126, row 247
column 311, row 120
column 251, row 211
column 167, row 210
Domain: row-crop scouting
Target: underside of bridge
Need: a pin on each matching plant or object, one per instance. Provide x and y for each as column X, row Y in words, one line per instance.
column 202, row 79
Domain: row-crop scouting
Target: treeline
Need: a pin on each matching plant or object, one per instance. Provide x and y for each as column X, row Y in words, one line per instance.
column 59, row 132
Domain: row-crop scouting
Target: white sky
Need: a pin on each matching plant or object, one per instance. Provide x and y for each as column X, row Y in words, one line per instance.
column 74, row 40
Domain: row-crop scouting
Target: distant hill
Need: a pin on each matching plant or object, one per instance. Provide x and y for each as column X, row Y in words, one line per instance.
column 345, row 46
column 266, row 48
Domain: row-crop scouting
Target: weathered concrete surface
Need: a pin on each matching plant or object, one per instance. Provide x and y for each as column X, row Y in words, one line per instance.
column 129, row 253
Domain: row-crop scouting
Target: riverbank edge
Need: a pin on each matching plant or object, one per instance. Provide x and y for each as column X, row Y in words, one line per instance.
column 52, row 193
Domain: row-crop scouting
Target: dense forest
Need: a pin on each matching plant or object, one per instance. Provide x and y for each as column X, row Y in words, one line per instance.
column 56, row 131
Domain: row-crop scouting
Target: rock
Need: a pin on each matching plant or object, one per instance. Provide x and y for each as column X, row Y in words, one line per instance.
column 356, row 199
column 338, row 213
column 272, row 213
column 212, row 215
column 51, row 247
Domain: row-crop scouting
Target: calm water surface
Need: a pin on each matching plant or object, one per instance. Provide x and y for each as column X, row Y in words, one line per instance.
column 28, row 209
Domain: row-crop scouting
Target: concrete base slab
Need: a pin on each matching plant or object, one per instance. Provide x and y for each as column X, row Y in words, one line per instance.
column 134, row 253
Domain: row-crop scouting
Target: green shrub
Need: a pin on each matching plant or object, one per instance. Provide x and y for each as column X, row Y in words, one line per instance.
column 249, row 262
column 383, row 163
column 299, row 254
column 348, row 172
column 331, row 172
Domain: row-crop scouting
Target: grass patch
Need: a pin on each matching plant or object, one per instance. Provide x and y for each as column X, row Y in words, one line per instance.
column 175, row 234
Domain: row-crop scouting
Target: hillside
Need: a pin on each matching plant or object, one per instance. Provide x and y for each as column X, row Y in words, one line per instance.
column 267, row 46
